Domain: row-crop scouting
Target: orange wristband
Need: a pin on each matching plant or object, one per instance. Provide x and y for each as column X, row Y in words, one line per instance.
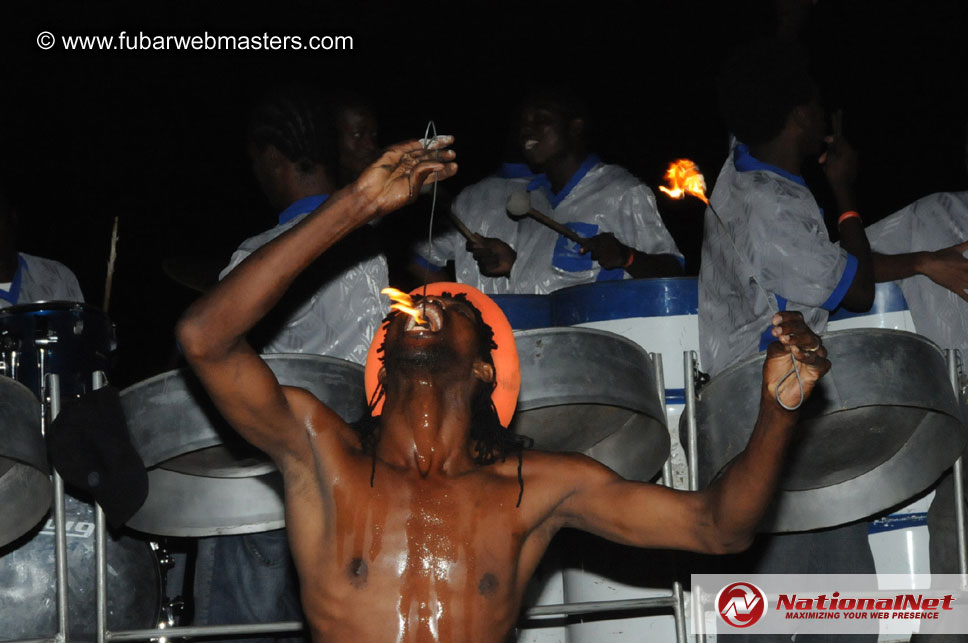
column 631, row 259
column 849, row 214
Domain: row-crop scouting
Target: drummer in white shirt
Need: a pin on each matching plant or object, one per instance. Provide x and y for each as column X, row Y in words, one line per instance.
column 604, row 203
column 771, row 251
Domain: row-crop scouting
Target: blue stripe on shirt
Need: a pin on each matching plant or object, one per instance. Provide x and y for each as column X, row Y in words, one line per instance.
column 850, row 270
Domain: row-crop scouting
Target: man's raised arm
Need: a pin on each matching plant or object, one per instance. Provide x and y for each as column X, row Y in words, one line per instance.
column 212, row 331
column 723, row 517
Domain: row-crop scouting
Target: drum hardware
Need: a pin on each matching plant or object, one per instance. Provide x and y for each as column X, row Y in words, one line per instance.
column 172, row 608
column 953, row 358
column 693, row 382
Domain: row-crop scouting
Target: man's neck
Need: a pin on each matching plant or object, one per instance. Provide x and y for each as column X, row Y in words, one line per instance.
column 560, row 170
column 781, row 152
column 425, row 426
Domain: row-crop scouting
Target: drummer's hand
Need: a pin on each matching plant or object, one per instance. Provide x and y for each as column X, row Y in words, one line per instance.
column 494, row 257
column 794, row 338
column 396, row 177
column 948, row 267
column 839, row 161
column 608, row 251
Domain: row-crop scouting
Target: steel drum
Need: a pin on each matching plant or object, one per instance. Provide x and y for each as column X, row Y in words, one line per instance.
column 27, row 581
column 25, row 489
column 525, row 312
column 882, row 426
column 593, row 392
column 203, row 478
column 889, row 310
column 76, row 339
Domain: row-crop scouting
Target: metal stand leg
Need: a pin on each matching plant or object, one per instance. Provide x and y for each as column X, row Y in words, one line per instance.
column 659, row 374
column 679, row 612
column 958, row 476
column 692, row 446
column 678, row 601
column 52, row 393
column 100, row 534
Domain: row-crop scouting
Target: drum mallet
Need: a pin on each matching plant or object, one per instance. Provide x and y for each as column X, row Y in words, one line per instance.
column 519, row 206
column 463, row 229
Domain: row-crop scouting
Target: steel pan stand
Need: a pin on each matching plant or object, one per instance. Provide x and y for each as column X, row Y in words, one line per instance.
column 678, row 601
column 958, row 473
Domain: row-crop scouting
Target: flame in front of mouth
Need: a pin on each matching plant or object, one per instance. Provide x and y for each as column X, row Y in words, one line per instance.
column 685, row 178
column 404, row 303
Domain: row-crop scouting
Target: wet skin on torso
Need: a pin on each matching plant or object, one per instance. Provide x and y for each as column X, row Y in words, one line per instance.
column 415, row 558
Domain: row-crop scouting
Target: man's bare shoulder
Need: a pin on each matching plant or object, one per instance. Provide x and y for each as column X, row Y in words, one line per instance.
column 552, row 476
column 318, row 420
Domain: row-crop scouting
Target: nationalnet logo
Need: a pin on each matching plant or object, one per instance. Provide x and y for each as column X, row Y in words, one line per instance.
column 741, row 604
column 887, row 604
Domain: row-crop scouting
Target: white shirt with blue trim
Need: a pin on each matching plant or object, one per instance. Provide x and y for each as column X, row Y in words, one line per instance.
column 39, row 279
column 778, row 229
column 934, row 222
column 482, row 208
column 341, row 317
column 599, row 198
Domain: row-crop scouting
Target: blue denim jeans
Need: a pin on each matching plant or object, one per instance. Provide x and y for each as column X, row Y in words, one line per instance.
column 247, row 579
column 840, row 550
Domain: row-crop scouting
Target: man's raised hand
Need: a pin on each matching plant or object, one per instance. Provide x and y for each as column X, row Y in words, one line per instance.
column 948, row 267
column 394, row 180
column 795, row 340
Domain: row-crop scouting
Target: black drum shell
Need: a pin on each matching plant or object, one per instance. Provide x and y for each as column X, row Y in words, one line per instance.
column 27, row 581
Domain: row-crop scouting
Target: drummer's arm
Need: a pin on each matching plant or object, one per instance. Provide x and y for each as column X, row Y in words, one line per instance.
column 610, row 253
column 212, row 332
column 723, row 517
column 947, row 267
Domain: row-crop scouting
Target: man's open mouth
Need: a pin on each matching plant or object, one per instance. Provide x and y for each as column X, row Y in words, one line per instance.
column 530, row 144
column 433, row 316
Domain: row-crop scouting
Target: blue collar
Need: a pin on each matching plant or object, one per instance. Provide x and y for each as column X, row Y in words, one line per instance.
column 541, row 181
column 302, row 206
column 13, row 294
column 514, row 171
column 743, row 161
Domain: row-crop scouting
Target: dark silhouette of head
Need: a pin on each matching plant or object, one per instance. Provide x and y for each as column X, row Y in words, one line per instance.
column 357, row 133
column 760, row 85
column 292, row 143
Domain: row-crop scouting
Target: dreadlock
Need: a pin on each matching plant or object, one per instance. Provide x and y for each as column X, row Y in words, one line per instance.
column 294, row 119
column 492, row 442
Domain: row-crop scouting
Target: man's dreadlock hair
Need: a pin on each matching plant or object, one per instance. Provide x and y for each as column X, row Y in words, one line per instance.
column 296, row 121
column 492, row 442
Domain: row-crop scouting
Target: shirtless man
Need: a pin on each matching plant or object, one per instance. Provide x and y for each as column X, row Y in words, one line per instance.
column 409, row 537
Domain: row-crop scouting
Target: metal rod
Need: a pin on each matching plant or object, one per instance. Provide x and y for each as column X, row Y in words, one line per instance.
column 958, row 478
column 659, row 372
column 692, row 440
column 699, row 618
column 679, row 612
column 592, row 607
column 206, row 630
column 100, row 542
column 60, row 532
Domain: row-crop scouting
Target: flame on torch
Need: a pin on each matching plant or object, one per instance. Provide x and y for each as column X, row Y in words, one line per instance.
column 685, row 178
column 403, row 303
